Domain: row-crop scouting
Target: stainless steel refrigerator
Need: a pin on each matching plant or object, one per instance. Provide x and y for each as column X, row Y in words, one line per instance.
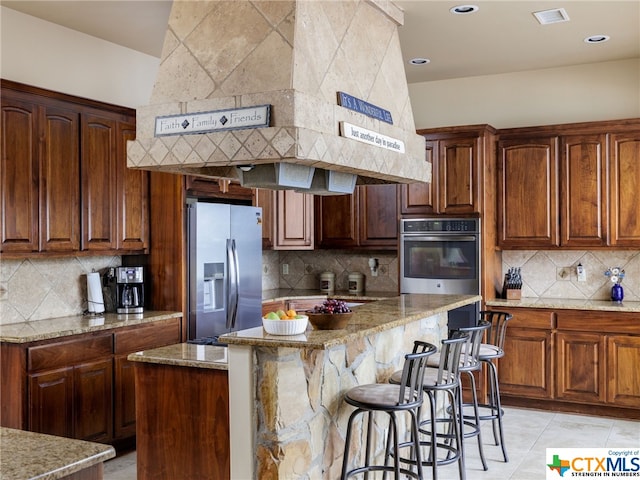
column 224, row 269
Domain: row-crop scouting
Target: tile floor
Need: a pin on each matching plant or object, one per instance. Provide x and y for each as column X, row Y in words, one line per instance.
column 528, row 434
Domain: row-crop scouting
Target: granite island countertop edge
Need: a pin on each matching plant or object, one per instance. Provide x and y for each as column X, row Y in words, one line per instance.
column 399, row 310
column 37, row 455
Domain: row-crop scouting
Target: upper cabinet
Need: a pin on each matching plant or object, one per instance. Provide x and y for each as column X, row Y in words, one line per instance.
column 562, row 186
column 287, row 219
column 461, row 159
column 65, row 183
column 624, row 174
column 366, row 219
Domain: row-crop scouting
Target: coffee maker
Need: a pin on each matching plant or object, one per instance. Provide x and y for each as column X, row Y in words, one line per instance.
column 129, row 290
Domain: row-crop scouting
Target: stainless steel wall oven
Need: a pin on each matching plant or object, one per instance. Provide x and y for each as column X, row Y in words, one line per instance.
column 442, row 255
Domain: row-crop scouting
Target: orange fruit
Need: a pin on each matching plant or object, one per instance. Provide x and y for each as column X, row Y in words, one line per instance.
column 291, row 313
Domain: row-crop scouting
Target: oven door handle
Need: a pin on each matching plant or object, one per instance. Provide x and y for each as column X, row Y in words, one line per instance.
column 441, row 238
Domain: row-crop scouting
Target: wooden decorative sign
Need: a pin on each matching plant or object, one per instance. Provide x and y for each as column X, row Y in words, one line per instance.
column 352, row 103
column 376, row 139
column 215, row 121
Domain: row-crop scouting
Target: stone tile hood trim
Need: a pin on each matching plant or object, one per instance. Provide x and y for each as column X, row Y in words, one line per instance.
column 294, row 56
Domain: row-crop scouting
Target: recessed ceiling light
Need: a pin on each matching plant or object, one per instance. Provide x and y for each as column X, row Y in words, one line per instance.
column 464, row 9
column 596, row 39
column 555, row 15
column 419, row 61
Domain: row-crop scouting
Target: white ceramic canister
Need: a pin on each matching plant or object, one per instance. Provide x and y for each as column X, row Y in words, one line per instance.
column 327, row 282
column 356, row 283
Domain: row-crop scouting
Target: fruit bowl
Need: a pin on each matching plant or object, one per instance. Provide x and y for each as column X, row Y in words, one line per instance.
column 294, row 326
column 329, row 321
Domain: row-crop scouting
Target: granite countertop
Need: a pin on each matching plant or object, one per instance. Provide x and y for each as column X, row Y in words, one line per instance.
column 367, row 319
column 278, row 294
column 185, row 355
column 77, row 324
column 566, row 304
column 30, row 455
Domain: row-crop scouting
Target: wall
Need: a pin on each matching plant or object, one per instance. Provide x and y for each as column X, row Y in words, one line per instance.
column 38, row 288
column 49, row 56
column 580, row 93
column 552, row 274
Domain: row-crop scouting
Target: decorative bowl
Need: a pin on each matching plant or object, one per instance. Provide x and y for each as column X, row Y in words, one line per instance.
column 294, row 326
column 329, row 321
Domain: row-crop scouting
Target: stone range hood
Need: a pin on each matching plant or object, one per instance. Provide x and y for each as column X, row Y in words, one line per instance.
column 294, row 57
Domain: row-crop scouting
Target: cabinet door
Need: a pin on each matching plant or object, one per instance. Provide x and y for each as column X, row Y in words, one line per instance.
column 60, row 181
column 266, row 199
column 93, row 404
column 336, row 221
column 527, row 366
column 422, row 198
column 625, row 178
column 132, row 192
column 294, row 220
column 458, row 181
column 623, row 374
column 124, row 398
column 98, row 182
column 51, row 402
column 378, row 216
column 584, row 190
column 528, row 193
column 19, row 175
column 580, row 367
column 273, row 306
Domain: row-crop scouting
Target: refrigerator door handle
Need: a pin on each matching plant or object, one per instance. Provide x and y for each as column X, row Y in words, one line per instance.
column 232, row 284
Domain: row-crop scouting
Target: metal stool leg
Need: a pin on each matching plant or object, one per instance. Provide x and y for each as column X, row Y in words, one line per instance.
column 495, row 402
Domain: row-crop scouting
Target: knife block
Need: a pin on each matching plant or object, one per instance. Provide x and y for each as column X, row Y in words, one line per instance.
column 514, row 294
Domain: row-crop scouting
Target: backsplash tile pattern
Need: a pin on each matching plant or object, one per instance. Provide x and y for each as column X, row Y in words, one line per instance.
column 39, row 288
column 552, row 274
column 305, row 268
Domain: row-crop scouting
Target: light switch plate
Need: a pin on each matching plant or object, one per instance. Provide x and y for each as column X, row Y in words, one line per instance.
column 582, row 273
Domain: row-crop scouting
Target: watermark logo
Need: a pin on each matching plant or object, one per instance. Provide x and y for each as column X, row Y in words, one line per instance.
column 592, row 462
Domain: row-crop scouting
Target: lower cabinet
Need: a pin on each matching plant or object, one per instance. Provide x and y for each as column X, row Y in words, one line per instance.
column 81, row 386
column 580, row 360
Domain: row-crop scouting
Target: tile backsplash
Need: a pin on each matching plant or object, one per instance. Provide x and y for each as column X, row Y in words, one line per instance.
column 305, row 267
column 38, row 288
column 552, row 273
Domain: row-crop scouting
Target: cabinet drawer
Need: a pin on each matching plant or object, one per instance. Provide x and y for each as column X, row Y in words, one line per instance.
column 598, row 321
column 529, row 318
column 150, row 335
column 69, row 352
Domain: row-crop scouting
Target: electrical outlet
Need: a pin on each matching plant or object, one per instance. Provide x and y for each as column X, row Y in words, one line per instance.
column 581, row 272
column 285, row 269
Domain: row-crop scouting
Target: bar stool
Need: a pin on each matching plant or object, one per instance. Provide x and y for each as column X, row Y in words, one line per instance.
column 490, row 352
column 446, row 379
column 406, row 396
column 469, row 363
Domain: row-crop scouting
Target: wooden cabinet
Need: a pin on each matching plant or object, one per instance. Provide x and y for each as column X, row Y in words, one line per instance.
column 583, row 190
column 81, row 386
column 98, row 171
column 461, row 159
column 623, row 374
column 273, row 306
column 528, row 192
column 366, row 219
column 202, row 187
column 581, row 374
column 287, row 219
column 65, row 184
column 561, row 186
column 624, row 161
column 572, row 360
column 527, row 368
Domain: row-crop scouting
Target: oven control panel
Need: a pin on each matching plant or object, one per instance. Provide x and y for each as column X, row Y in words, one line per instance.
column 432, row 225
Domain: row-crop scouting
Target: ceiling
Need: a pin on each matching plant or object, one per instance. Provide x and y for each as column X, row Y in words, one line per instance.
column 502, row 36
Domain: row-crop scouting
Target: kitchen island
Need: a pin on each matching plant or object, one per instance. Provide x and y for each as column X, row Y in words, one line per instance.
column 286, row 414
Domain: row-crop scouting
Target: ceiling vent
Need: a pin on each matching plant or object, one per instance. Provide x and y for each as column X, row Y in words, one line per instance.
column 556, row 15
